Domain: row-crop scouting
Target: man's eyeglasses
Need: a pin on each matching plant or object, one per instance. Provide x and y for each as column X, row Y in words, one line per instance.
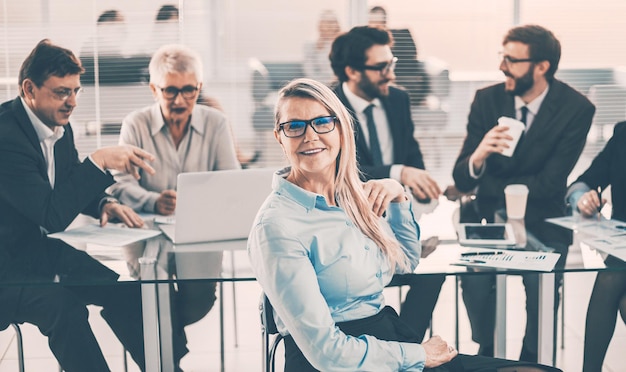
column 384, row 68
column 62, row 94
column 188, row 92
column 508, row 60
column 320, row 125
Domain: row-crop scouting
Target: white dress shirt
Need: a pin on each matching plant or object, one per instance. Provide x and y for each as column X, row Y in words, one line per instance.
column 382, row 128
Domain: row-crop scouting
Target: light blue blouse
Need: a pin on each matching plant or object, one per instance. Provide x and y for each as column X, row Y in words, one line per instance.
column 317, row 268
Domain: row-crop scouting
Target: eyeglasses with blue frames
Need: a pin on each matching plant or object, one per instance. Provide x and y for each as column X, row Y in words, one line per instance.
column 62, row 94
column 296, row 128
column 188, row 92
column 508, row 60
column 384, row 68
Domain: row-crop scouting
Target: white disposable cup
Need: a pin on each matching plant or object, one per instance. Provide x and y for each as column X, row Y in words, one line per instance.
column 515, row 197
column 516, row 128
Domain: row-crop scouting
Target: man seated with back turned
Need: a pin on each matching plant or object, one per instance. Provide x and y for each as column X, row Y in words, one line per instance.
column 43, row 187
column 386, row 148
column 557, row 119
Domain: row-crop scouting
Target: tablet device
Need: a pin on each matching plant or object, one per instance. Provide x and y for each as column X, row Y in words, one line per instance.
column 486, row 235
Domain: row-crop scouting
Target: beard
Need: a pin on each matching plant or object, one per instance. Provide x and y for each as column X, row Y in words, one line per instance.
column 522, row 83
column 373, row 90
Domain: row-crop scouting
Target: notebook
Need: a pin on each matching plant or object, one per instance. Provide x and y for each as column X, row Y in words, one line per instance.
column 217, row 205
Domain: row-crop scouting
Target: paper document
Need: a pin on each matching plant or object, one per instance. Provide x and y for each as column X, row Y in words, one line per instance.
column 608, row 236
column 169, row 220
column 591, row 226
column 568, row 222
column 614, row 245
column 109, row 235
column 508, row 259
column 157, row 218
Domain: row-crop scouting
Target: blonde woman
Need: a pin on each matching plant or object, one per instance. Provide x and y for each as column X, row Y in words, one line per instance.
column 323, row 252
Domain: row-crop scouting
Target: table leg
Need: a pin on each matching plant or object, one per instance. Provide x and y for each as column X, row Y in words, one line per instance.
column 156, row 313
column 499, row 347
column 221, row 285
column 149, row 304
column 546, row 319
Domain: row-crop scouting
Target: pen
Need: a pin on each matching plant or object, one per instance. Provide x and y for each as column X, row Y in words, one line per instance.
column 490, row 253
column 599, row 191
column 473, row 261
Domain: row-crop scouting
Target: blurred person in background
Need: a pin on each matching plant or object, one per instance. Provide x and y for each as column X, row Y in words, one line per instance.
column 410, row 72
column 110, row 38
column 316, row 53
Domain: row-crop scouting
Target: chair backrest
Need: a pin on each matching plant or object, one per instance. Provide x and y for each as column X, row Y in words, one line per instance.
column 260, row 81
column 267, row 316
column 268, row 328
column 280, row 73
column 583, row 78
column 439, row 74
column 610, row 101
column 115, row 70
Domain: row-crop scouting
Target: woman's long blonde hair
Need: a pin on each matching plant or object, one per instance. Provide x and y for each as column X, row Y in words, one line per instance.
column 349, row 188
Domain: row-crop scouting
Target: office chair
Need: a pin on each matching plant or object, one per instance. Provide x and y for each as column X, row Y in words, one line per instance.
column 20, row 350
column 20, row 346
column 268, row 328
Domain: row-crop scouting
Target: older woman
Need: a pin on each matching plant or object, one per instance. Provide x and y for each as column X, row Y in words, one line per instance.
column 323, row 253
column 184, row 137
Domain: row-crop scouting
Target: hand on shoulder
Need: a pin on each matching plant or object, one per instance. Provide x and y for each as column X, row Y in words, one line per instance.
column 382, row 192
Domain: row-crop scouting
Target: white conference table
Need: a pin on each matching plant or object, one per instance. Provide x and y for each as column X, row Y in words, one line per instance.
column 197, row 262
column 164, row 263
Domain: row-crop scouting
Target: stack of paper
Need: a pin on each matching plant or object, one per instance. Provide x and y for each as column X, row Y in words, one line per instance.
column 509, row 259
column 608, row 236
column 109, row 235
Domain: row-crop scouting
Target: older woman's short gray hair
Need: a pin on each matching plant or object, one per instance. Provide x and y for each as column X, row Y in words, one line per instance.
column 174, row 58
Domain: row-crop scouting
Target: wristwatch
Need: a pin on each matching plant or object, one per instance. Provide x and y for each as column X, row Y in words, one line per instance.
column 107, row 200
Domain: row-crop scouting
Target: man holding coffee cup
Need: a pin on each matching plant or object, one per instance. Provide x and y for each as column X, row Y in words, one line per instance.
column 555, row 119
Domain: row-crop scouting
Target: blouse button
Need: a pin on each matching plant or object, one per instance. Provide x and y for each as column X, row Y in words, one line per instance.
column 379, row 274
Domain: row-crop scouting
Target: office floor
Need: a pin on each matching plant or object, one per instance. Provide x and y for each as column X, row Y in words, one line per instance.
column 203, row 337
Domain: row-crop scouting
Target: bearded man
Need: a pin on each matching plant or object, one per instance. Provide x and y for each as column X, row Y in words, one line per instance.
column 385, row 146
column 557, row 119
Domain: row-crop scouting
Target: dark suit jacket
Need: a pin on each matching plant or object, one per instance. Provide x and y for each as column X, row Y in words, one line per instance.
column 543, row 159
column 608, row 169
column 27, row 201
column 406, row 150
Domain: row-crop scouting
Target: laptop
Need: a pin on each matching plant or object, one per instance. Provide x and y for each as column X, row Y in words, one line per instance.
column 218, row 205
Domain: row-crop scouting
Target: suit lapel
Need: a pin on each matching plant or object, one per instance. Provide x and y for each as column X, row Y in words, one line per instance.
column 27, row 128
column 543, row 121
column 546, row 112
column 26, row 125
column 363, row 151
column 509, row 107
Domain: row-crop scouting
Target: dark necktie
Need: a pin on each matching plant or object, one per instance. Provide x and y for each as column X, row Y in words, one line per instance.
column 524, row 110
column 371, row 128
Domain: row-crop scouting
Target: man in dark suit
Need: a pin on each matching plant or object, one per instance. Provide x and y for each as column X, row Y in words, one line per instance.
column 364, row 65
column 43, row 187
column 557, row 119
